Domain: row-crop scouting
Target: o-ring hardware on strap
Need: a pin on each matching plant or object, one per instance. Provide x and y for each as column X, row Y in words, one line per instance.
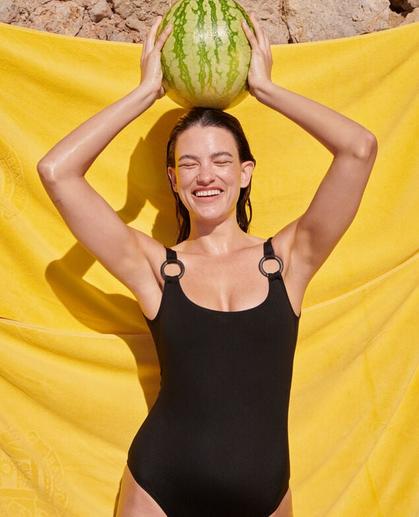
column 171, row 258
column 270, row 254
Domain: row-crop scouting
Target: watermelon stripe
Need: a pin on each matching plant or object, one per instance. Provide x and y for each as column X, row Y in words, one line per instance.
column 214, row 26
column 233, row 71
column 245, row 16
column 164, row 24
column 169, row 77
column 179, row 31
column 204, row 61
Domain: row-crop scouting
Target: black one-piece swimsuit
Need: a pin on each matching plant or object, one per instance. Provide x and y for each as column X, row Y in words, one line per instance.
column 215, row 443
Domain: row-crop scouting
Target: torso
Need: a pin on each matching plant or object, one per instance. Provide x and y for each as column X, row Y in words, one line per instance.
column 226, row 370
column 227, row 283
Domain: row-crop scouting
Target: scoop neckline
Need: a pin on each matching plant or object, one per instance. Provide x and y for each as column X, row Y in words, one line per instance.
column 217, row 311
column 176, row 280
column 240, row 311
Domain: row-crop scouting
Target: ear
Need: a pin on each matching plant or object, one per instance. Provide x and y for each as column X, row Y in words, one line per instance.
column 172, row 177
column 246, row 173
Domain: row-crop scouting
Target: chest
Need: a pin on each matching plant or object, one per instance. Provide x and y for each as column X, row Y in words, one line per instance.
column 223, row 286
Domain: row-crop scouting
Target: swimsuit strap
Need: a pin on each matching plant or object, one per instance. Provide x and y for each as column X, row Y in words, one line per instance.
column 171, row 258
column 269, row 254
column 171, row 255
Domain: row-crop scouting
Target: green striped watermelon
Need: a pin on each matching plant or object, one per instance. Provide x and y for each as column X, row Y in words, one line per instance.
column 206, row 58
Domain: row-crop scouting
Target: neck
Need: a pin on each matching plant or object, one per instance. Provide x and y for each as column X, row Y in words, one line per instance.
column 215, row 238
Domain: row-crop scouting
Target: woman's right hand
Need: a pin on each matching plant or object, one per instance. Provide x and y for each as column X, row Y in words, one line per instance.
column 151, row 72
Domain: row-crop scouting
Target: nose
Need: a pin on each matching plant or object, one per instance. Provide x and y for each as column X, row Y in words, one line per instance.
column 206, row 173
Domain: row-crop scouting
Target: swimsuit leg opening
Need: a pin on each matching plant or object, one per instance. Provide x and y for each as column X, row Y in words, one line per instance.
column 145, row 486
column 280, row 499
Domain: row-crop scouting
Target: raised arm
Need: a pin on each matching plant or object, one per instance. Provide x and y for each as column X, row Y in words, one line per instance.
column 121, row 249
column 316, row 232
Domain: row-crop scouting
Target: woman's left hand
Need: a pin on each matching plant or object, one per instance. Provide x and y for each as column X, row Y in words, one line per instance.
column 259, row 75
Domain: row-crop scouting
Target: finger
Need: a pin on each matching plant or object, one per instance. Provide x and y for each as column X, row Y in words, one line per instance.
column 249, row 34
column 161, row 40
column 267, row 43
column 258, row 29
column 264, row 42
column 152, row 34
column 154, row 30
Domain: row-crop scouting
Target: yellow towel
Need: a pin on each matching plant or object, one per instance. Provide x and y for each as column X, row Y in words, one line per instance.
column 78, row 367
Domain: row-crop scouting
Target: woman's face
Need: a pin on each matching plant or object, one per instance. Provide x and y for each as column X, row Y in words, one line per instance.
column 206, row 159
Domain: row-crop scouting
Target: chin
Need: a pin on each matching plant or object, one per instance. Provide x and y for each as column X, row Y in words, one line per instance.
column 213, row 217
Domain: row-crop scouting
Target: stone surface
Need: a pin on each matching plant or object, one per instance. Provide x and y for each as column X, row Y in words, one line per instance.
column 8, row 11
column 309, row 20
column 56, row 16
column 270, row 16
column 412, row 17
column 99, row 11
column 404, row 5
column 285, row 21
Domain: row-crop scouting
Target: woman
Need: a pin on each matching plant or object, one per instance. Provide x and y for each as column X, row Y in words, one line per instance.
column 215, row 443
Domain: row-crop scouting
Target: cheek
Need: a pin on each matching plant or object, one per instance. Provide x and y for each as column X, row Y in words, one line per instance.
column 232, row 177
column 186, row 176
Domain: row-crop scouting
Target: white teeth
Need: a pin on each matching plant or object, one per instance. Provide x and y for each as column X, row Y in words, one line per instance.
column 203, row 193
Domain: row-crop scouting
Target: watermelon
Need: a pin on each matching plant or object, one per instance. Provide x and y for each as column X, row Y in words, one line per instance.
column 206, row 58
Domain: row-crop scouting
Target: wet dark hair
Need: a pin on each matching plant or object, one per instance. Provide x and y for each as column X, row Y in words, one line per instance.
column 206, row 117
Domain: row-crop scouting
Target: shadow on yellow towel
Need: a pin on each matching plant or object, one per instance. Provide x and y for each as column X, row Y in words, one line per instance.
column 78, row 368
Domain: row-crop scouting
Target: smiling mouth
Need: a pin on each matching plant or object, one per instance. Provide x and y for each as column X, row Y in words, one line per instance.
column 208, row 196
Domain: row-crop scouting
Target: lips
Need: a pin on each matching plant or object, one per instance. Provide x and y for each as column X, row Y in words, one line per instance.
column 206, row 190
column 208, row 198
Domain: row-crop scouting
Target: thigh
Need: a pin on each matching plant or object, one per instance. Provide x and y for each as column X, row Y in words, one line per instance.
column 285, row 506
column 134, row 500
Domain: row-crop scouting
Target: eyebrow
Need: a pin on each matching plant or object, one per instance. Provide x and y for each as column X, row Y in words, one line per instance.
column 214, row 155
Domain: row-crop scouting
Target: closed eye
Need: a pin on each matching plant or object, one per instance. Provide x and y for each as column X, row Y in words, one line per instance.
column 188, row 165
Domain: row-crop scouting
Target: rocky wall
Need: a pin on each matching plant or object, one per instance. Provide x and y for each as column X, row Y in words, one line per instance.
column 286, row 21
